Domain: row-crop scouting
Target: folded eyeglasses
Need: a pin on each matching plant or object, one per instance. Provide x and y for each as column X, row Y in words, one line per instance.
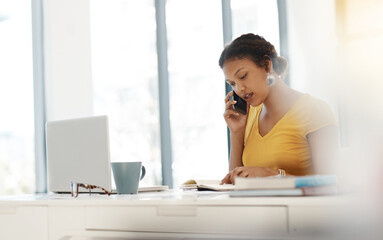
column 74, row 186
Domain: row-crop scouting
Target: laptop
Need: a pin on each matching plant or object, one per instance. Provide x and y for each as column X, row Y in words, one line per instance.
column 78, row 151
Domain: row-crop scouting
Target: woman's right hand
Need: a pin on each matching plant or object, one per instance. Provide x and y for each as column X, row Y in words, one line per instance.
column 234, row 120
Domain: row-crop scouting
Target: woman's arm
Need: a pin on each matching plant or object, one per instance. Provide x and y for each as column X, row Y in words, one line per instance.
column 236, row 149
column 236, row 123
column 324, row 146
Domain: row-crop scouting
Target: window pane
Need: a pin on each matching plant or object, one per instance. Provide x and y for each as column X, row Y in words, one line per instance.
column 124, row 69
column 258, row 17
column 17, row 172
column 197, row 90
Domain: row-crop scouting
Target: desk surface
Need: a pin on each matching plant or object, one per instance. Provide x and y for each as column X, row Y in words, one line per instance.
column 170, row 197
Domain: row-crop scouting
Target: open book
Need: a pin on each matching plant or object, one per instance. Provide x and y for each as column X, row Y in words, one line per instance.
column 213, row 185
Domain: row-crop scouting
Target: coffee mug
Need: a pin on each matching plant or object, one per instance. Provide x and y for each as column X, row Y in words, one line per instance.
column 127, row 176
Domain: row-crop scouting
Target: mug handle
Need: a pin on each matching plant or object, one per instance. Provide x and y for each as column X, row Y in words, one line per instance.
column 143, row 171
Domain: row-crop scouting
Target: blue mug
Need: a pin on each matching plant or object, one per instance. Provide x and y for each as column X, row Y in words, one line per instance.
column 127, row 176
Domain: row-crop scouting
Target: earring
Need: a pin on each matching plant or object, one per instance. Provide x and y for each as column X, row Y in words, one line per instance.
column 270, row 79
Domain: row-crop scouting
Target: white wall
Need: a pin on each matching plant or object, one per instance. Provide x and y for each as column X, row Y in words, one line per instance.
column 68, row 82
column 312, row 48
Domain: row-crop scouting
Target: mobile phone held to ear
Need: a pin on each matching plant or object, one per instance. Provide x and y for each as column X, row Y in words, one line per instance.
column 241, row 105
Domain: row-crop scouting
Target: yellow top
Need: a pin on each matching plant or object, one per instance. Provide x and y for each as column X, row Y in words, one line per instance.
column 285, row 146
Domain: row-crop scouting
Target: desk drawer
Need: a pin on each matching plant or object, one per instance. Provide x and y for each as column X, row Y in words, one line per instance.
column 189, row 219
column 23, row 222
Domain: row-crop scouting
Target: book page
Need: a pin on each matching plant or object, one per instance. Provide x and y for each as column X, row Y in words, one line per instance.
column 207, row 184
column 217, row 187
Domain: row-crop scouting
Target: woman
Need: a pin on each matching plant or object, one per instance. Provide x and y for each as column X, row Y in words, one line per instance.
column 284, row 132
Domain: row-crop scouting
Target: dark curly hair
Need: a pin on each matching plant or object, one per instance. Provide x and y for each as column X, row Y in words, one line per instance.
column 256, row 49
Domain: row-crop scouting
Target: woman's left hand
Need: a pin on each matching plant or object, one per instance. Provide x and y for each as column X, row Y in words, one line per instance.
column 248, row 172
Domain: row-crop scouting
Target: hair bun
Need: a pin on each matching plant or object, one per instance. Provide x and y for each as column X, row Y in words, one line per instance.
column 280, row 65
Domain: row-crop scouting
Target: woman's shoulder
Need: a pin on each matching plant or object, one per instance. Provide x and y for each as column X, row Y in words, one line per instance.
column 309, row 102
column 316, row 113
column 309, row 107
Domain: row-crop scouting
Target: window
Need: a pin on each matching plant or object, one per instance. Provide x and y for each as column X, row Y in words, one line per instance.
column 124, row 71
column 197, row 90
column 17, row 172
column 125, row 79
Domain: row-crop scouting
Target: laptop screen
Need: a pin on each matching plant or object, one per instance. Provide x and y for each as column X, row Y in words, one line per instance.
column 78, row 151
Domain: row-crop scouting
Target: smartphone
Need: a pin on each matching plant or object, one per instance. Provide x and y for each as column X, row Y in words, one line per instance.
column 241, row 105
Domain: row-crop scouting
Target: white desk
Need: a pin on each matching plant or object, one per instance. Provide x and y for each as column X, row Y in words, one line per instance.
column 164, row 215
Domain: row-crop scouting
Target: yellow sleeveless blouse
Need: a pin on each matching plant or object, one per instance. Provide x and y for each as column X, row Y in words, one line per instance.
column 285, row 146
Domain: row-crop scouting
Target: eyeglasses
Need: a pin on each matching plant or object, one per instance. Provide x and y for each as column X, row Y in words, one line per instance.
column 74, row 186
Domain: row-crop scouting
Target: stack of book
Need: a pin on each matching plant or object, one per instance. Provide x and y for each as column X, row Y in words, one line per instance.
column 310, row 185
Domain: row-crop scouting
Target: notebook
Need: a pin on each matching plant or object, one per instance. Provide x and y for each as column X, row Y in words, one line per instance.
column 78, row 151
